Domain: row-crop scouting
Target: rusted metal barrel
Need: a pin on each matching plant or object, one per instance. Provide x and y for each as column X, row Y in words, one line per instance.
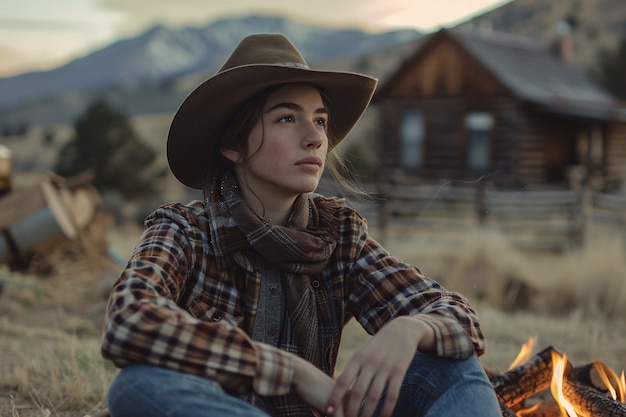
column 41, row 217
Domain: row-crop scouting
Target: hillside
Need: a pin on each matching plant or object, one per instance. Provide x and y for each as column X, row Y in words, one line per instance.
column 595, row 25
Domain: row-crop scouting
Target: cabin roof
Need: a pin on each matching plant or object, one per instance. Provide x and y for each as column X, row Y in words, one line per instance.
column 531, row 71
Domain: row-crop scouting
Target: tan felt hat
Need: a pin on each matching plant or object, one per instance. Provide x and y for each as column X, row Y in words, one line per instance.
column 258, row 62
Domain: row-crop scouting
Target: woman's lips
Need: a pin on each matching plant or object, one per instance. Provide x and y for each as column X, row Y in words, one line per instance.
column 311, row 162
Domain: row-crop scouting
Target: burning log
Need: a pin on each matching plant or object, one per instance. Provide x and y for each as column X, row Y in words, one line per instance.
column 590, row 375
column 526, row 379
column 602, row 377
column 592, row 390
column 588, row 401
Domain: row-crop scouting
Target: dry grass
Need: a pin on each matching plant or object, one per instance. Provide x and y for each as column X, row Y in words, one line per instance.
column 575, row 301
column 59, row 371
column 49, row 339
column 50, row 327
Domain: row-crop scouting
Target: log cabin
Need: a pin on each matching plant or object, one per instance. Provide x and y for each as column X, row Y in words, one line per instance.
column 473, row 105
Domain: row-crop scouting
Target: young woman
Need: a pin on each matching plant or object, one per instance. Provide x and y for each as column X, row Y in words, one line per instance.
column 234, row 306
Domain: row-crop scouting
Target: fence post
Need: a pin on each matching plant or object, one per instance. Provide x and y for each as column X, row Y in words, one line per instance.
column 481, row 204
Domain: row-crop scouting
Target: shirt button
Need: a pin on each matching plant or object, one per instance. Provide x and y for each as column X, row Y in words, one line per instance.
column 217, row 316
column 274, row 289
column 315, row 284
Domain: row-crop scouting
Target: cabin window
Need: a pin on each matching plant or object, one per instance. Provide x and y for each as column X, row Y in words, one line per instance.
column 412, row 139
column 478, row 126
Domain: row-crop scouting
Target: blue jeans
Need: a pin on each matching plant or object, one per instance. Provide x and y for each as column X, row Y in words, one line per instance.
column 433, row 387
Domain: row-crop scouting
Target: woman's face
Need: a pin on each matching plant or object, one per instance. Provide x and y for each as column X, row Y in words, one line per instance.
column 287, row 146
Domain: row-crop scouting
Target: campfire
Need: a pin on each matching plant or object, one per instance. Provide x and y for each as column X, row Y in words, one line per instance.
column 546, row 384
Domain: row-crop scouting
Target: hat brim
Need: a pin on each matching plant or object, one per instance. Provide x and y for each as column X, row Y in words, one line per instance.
column 196, row 124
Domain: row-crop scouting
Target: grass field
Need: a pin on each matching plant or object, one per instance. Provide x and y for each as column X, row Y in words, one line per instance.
column 49, row 327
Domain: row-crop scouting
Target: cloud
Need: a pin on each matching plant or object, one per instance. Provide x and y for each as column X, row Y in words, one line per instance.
column 42, row 25
column 65, row 29
column 423, row 14
column 141, row 13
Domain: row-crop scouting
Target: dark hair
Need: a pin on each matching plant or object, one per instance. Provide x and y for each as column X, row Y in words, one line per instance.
column 236, row 130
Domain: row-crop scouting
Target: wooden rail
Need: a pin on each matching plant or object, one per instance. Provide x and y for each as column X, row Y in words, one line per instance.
column 426, row 209
column 544, row 220
column 535, row 219
column 608, row 211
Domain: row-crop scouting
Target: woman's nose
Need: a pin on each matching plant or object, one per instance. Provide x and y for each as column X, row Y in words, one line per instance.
column 313, row 138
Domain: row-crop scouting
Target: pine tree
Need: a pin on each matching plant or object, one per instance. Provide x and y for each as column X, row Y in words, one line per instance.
column 106, row 143
column 611, row 70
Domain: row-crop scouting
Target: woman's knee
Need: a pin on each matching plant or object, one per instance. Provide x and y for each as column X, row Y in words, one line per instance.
column 431, row 378
column 145, row 390
column 444, row 371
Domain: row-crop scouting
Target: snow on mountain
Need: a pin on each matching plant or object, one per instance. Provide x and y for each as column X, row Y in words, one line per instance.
column 162, row 54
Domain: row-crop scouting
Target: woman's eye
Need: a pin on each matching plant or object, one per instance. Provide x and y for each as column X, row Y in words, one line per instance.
column 322, row 122
column 286, row 119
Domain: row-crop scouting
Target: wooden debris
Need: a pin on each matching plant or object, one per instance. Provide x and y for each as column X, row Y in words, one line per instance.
column 34, row 220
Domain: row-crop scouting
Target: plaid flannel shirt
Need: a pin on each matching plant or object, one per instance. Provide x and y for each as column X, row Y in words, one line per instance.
column 173, row 307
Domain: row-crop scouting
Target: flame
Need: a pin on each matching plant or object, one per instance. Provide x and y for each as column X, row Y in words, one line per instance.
column 616, row 388
column 527, row 411
column 615, row 385
column 556, row 385
column 606, row 373
column 622, row 385
column 524, row 353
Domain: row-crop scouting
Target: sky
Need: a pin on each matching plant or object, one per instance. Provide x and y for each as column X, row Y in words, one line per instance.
column 43, row 34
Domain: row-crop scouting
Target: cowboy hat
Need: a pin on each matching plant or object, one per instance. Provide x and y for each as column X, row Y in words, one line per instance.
column 258, row 62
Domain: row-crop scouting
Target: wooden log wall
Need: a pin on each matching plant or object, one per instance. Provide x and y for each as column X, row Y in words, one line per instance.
column 445, row 139
column 615, row 164
column 530, row 149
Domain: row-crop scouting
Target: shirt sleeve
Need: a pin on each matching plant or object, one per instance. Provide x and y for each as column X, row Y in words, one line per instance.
column 145, row 324
column 382, row 287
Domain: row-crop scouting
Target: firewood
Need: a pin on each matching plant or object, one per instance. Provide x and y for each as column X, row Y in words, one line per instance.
column 590, row 402
column 589, row 375
column 526, row 379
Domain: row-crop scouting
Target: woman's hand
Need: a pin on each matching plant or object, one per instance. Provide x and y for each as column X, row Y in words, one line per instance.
column 378, row 365
column 312, row 385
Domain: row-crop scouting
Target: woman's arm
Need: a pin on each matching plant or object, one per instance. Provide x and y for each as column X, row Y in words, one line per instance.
column 145, row 323
column 380, row 287
column 405, row 311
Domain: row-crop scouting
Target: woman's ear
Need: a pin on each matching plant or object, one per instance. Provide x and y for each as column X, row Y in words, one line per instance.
column 230, row 154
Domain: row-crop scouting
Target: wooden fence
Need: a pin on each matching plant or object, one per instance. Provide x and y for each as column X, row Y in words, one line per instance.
column 608, row 212
column 533, row 219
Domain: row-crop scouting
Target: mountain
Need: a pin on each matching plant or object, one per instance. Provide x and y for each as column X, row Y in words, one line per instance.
column 593, row 26
column 162, row 54
column 154, row 71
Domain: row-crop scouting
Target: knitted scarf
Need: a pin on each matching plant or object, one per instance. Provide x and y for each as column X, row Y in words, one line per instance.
column 303, row 246
column 300, row 250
